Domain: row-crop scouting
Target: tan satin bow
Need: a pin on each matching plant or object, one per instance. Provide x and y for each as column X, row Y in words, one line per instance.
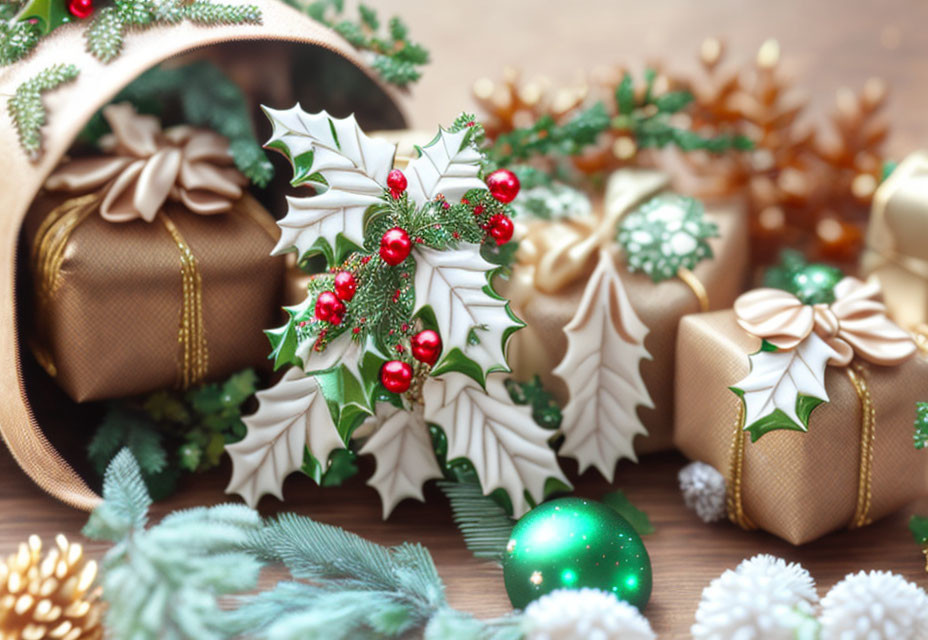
column 146, row 166
column 856, row 322
column 553, row 255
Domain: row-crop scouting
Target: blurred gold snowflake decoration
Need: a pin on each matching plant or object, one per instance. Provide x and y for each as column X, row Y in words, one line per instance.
column 50, row 597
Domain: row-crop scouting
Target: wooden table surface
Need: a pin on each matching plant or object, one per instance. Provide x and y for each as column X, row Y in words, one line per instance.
column 827, row 45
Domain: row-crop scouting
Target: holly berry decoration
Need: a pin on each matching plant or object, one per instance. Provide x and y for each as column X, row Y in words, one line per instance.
column 426, row 346
column 80, row 9
column 395, row 246
column 329, row 308
column 503, row 185
column 500, row 228
column 396, row 376
column 345, row 286
column 396, row 181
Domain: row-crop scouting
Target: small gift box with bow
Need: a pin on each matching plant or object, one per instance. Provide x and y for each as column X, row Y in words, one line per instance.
column 805, row 401
column 602, row 294
column 150, row 264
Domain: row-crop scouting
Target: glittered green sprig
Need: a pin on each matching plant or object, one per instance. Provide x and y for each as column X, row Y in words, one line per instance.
column 921, row 425
column 665, row 234
column 26, row 109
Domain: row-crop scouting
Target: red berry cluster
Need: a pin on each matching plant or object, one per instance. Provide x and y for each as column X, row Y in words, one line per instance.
column 396, row 375
column 330, row 306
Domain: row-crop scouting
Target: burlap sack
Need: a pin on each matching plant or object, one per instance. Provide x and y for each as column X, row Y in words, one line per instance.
column 540, row 346
column 800, row 486
column 71, row 106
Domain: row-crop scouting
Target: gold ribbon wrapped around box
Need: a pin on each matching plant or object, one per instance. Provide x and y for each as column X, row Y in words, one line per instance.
column 856, row 463
column 897, row 241
column 152, row 270
column 554, row 261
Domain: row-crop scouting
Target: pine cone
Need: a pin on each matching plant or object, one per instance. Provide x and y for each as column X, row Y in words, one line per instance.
column 52, row 597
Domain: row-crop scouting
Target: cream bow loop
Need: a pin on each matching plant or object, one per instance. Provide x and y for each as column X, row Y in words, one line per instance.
column 148, row 166
column 855, row 323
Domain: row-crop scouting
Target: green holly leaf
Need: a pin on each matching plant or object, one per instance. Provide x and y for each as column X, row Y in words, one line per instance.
column 189, row 456
column 167, row 406
column 635, row 516
column 238, row 388
column 779, row 420
column 921, row 425
column 918, row 525
column 213, row 452
column 49, row 14
column 342, row 466
column 206, row 400
column 625, row 95
column 545, row 409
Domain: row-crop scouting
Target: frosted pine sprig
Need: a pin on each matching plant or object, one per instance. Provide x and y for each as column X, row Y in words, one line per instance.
column 208, row 13
column 26, row 108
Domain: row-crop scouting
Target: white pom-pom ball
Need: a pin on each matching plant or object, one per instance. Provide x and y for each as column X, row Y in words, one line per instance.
column 875, row 606
column 754, row 601
column 584, row 614
column 703, row 490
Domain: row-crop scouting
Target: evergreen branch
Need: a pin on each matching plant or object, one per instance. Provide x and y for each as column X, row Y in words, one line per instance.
column 396, row 58
column 165, row 581
column 26, row 108
column 105, row 34
column 17, row 39
column 921, row 425
column 207, row 13
column 485, row 525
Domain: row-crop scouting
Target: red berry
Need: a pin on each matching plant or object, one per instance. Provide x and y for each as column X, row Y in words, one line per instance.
column 345, row 286
column 503, row 185
column 426, row 346
column 396, row 376
column 396, row 181
column 329, row 308
column 395, row 246
column 501, row 228
column 80, row 9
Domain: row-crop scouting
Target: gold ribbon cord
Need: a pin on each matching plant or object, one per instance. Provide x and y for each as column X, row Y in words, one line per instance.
column 734, row 483
column 194, row 358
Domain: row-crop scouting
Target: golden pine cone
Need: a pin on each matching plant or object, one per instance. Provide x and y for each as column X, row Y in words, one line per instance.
column 52, row 597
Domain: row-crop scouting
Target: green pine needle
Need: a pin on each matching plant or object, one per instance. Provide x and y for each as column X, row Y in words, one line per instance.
column 204, row 12
column 485, row 525
column 921, row 425
column 26, row 108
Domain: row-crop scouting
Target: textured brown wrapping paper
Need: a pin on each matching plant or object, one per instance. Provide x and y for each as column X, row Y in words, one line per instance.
column 897, row 241
column 541, row 345
column 799, row 486
column 111, row 327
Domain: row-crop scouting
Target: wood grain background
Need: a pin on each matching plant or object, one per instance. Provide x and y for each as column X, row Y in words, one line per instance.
column 826, row 45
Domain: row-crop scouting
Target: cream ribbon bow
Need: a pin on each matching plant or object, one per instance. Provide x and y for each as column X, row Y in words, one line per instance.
column 855, row 323
column 147, row 166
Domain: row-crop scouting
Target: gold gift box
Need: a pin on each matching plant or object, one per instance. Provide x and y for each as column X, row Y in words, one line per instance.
column 800, row 486
column 541, row 345
column 129, row 308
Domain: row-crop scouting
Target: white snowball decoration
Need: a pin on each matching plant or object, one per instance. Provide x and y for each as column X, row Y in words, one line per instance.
column 875, row 606
column 703, row 490
column 584, row 614
column 754, row 601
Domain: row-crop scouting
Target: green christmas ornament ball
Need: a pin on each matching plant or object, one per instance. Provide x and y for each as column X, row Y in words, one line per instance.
column 571, row 543
column 815, row 283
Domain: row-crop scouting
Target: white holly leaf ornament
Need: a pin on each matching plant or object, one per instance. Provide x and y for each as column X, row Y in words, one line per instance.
column 402, row 446
column 342, row 350
column 506, row 447
column 292, row 415
column 784, row 386
column 354, row 168
column 453, row 283
column 605, row 346
column 448, row 166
